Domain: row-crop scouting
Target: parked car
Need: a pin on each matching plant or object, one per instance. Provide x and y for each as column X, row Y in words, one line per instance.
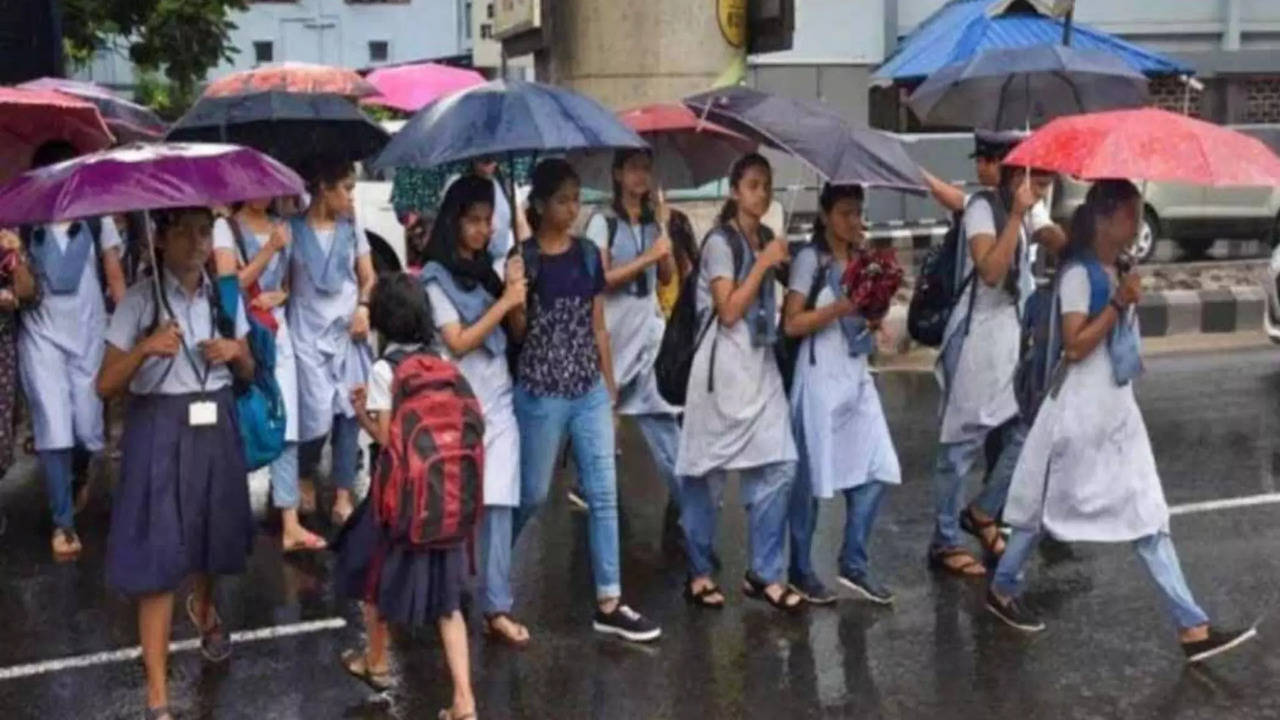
column 1192, row 215
column 373, row 207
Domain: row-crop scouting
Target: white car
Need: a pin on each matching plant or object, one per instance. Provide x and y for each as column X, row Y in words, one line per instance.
column 373, row 207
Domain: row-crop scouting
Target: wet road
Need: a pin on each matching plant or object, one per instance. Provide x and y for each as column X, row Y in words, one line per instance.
column 1109, row 651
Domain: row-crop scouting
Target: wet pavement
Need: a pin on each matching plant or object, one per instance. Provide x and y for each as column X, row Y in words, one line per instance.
column 1109, row 651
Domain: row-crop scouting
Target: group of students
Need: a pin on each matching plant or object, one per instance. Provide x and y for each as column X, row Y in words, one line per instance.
column 556, row 334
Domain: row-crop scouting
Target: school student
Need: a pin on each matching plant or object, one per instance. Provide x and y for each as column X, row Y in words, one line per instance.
column 636, row 252
column 841, row 433
column 736, row 415
column 469, row 303
column 254, row 245
column 1087, row 472
column 60, row 348
column 182, row 504
column 330, row 278
column 17, row 288
column 397, row 582
column 564, row 384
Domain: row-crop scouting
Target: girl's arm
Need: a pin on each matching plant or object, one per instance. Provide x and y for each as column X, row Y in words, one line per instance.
column 948, row 196
column 462, row 339
column 602, row 346
column 798, row 322
column 732, row 301
column 1081, row 334
column 119, row 366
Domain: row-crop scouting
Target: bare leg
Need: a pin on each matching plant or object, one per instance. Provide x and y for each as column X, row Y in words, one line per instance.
column 343, row 504
column 375, row 653
column 155, row 619
column 453, row 634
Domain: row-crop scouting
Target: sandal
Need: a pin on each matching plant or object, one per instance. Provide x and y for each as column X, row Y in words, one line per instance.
column 158, row 713
column 491, row 630
column 938, row 561
column 757, row 589
column 701, row 598
column 310, row 543
column 215, row 646
column 447, row 714
column 357, row 665
column 978, row 529
column 65, row 545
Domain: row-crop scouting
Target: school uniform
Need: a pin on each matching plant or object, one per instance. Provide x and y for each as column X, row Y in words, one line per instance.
column 182, row 503
column 408, row 585
column 1087, row 472
column 487, row 371
column 841, row 434
column 736, row 417
column 60, row 348
column 635, row 325
column 324, row 294
column 284, row 469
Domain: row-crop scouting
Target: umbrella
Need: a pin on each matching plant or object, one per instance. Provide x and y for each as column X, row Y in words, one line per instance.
column 292, row 77
column 144, row 177
column 1009, row 88
column 841, row 154
column 412, row 87
column 1148, row 144
column 129, row 121
column 687, row 152
column 291, row 127
column 31, row 118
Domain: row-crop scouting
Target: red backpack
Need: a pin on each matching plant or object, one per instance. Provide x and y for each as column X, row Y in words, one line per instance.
column 428, row 488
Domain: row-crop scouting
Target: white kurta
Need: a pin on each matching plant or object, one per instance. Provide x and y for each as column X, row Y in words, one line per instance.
column 1087, row 472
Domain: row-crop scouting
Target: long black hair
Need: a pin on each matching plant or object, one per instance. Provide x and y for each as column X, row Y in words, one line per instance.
column 739, row 169
column 548, row 177
column 832, row 194
column 1104, row 198
column 399, row 311
column 680, row 230
column 324, row 173
column 620, row 159
column 446, row 233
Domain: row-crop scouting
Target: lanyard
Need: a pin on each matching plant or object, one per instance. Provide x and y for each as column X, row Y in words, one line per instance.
column 182, row 337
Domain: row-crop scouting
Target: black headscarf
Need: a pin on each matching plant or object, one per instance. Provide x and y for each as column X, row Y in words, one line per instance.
column 442, row 247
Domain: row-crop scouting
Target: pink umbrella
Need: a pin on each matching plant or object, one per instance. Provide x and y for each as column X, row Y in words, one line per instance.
column 31, row 118
column 293, row 77
column 413, row 87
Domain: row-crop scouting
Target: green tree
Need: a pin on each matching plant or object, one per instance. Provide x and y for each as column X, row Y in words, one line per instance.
column 181, row 38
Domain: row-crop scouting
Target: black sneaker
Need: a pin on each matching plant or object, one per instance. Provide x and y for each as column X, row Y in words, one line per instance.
column 626, row 624
column 1218, row 642
column 813, row 591
column 862, row 584
column 1014, row 614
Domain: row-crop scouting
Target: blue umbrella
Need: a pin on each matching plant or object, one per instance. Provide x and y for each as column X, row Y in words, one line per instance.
column 1027, row 86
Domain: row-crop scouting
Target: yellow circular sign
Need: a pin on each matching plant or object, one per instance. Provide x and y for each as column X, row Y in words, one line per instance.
column 733, row 21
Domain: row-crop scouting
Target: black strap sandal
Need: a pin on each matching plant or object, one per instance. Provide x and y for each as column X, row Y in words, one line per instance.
column 938, row 561
column 357, row 666
column 979, row 528
column 701, row 598
column 215, row 646
column 757, row 589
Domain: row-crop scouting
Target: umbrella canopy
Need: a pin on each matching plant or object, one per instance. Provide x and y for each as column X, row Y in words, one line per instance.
column 1007, row 88
column 293, row 77
column 144, row 177
column 504, row 118
column 841, row 154
column 31, row 118
column 1149, row 144
column 129, row 121
column 687, row 152
column 412, row 87
column 291, row 127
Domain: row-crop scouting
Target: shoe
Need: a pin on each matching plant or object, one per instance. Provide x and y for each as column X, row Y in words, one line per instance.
column 626, row 624
column 813, row 591
column 577, row 502
column 1014, row 614
column 1218, row 642
column 862, row 584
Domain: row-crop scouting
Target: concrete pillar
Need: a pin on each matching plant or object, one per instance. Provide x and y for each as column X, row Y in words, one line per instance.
column 626, row 53
column 1231, row 25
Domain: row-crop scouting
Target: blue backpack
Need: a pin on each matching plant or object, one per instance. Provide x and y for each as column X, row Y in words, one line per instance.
column 259, row 402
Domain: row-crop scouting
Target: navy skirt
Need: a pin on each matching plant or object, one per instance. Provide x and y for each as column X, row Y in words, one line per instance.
column 182, row 503
column 409, row 586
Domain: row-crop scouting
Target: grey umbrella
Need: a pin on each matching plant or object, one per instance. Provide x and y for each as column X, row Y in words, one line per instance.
column 1009, row 88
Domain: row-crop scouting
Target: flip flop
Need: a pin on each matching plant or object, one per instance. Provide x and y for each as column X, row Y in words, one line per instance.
column 493, row 633
column 700, row 597
column 312, row 543
column 215, row 646
column 378, row 682
column 938, row 561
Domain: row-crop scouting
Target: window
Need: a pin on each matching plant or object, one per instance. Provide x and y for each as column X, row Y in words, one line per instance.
column 486, row 31
column 378, row 51
column 489, row 11
column 263, row 51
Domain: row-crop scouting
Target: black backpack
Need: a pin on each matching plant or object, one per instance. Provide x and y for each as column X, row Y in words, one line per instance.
column 939, row 285
column 788, row 348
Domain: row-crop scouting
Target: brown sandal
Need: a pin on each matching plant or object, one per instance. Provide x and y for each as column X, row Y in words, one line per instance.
column 970, row 523
column 971, row 568
column 492, row 632
column 356, row 663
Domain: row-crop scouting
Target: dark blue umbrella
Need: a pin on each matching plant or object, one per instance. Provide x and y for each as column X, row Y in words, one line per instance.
column 1028, row 86
column 815, row 134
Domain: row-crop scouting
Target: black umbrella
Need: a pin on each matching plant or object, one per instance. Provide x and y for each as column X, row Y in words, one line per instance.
column 292, row 127
column 840, row 153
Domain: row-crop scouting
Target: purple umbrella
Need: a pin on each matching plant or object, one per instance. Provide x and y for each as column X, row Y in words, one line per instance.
column 129, row 121
column 144, row 177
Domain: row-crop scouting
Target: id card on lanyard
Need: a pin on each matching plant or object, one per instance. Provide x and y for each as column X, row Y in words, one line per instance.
column 202, row 412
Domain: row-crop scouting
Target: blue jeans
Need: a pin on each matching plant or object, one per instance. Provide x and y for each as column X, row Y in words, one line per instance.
column 56, row 466
column 588, row 420
column 1156, row 552
column 861, row 504
column 952, row 468
column 496, row 540
column 344, row 438
column 765, row 493
column 662, row 435
column 284, row 478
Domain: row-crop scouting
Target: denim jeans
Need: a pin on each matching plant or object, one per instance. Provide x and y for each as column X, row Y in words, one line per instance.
column 588, row 420
column 662, row 435
column 1156, row 552
column 496, row 540
column 766, row 495
column 861, row 504
column 284, row 478
column 344, row 437
column 56, row 466
column 952, row 468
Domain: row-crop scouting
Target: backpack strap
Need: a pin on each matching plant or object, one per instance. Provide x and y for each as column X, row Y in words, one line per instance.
column 811, row 300
column 237, row 234
column 611, row 224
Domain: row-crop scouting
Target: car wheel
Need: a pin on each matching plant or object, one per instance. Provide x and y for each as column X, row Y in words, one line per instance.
column 1144, row 246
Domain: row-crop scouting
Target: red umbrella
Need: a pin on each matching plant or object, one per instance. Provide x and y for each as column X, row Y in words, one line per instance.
column 31, row 118
column 413, row 87
column 293, row 77
column 1148, row 144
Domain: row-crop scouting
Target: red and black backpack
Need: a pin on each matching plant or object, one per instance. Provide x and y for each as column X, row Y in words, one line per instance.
column 428, row 487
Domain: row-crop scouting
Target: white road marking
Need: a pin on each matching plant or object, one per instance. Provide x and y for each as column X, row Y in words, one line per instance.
column 114, row 656
column 1225, row 503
